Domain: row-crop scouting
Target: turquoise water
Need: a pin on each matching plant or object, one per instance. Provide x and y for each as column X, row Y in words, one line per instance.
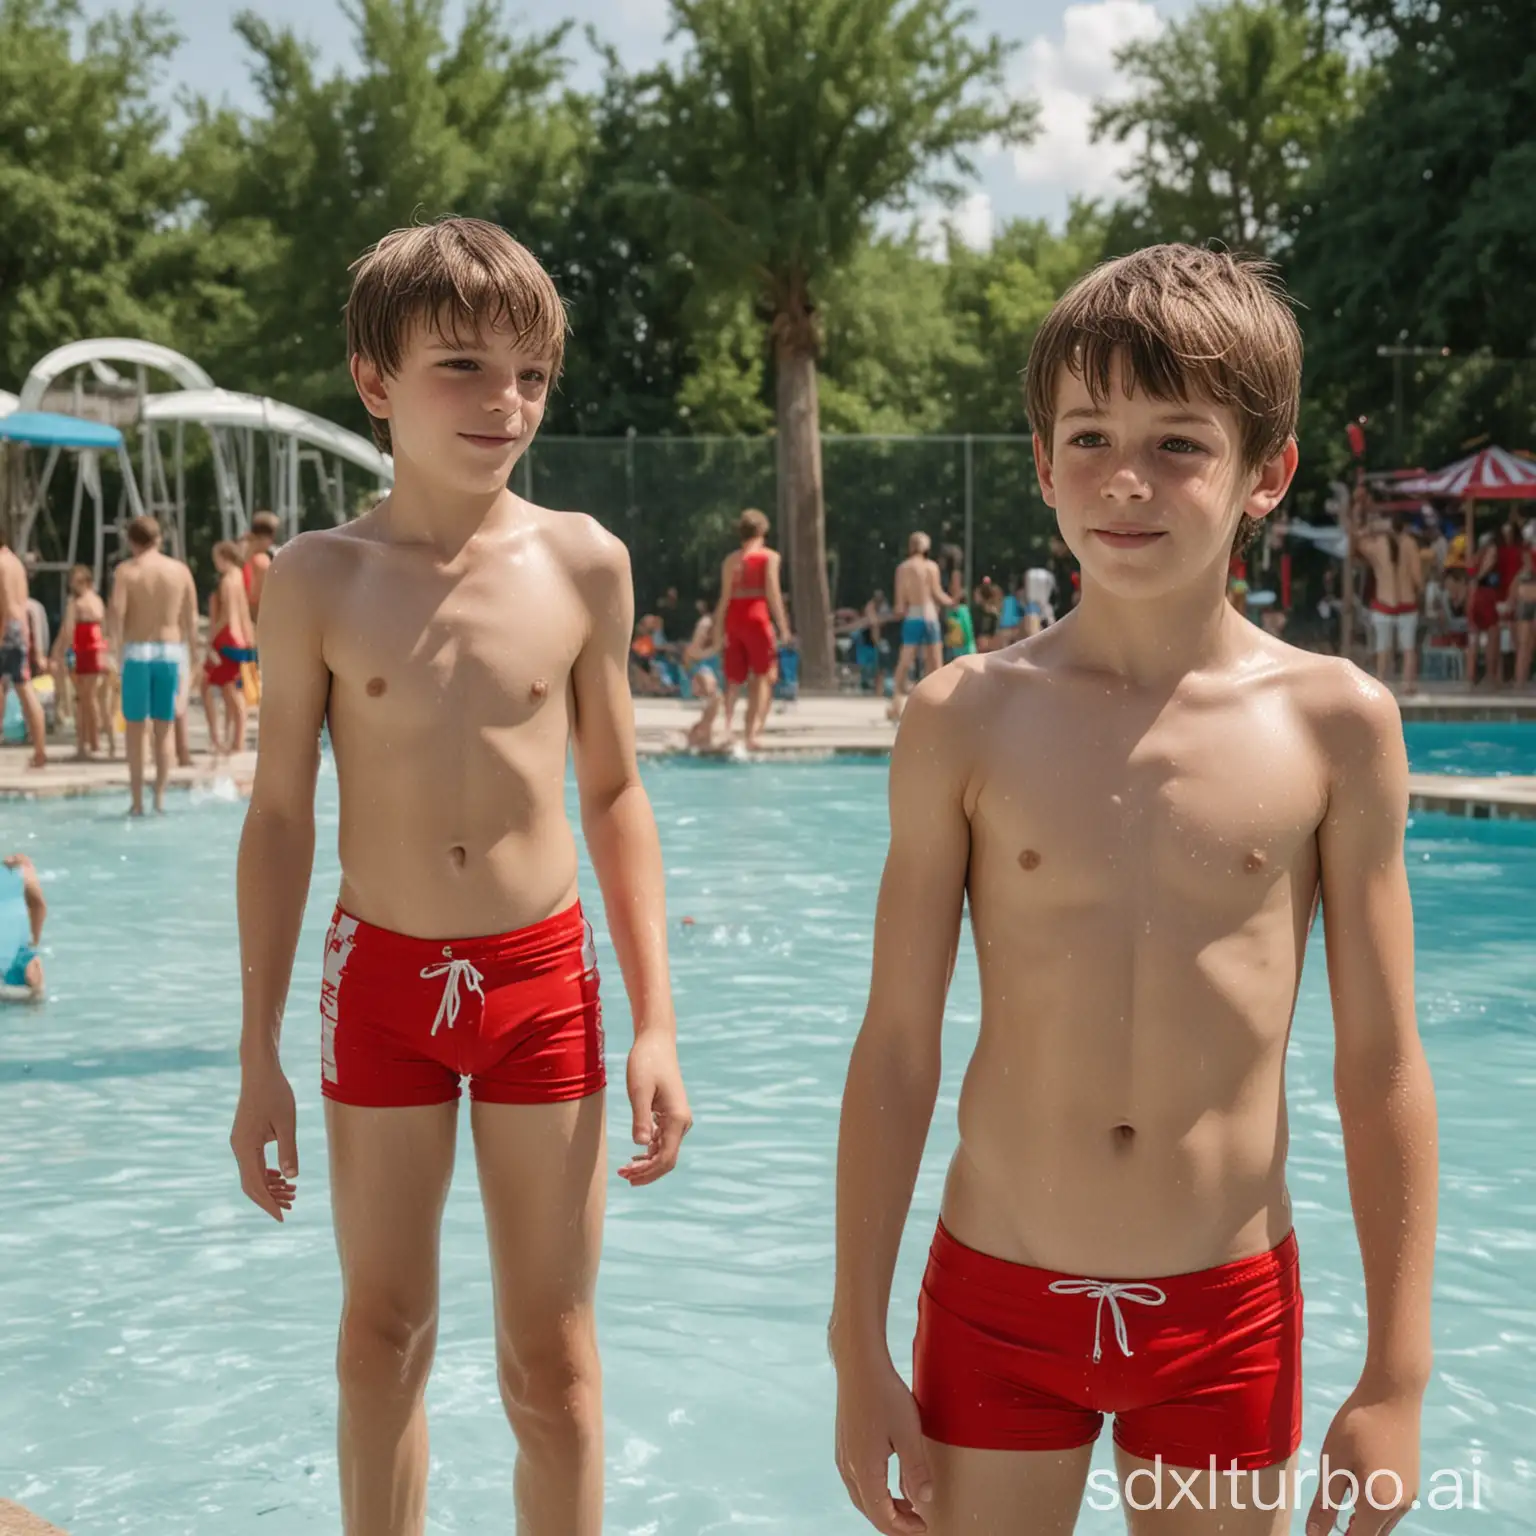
column 165, row 1350
column 1488, row 748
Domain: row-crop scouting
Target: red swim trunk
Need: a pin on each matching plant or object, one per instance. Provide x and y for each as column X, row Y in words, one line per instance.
column 1009, row 1357
column 218, row 668
column 403, row 1019
column 1483, row 610
column 750, row 645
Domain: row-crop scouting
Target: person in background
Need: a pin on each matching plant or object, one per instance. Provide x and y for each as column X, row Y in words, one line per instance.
column 1039, row 599
column 18, row 648
column 751, row 621
column 703, row 685
column 152, row 623
column 231, row 644
column 1485, row 616
column 22, row 981
column 257, row 558
column 1523, row 601
column 81, row 633
column 920, row 595
column 987, row 607
column 959, row 630
column 1063, row 566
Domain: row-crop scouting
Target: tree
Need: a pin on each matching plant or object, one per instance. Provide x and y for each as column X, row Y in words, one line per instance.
column 787, row 127
column 1232, row 106
column 430, row 124
column 89, row 191
column 1418, row 229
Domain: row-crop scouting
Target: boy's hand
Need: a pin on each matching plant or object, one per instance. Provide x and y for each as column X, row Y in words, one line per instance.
column 660, row 1108
column 265, row 1114
column 876, row 1419
column 1371, row 1435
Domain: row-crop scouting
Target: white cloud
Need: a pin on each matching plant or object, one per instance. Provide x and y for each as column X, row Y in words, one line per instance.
column 971, row 220
column 1067, row 76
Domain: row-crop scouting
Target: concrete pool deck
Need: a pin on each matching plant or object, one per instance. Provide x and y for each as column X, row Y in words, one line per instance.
column 815, row 727
column 16, row 1521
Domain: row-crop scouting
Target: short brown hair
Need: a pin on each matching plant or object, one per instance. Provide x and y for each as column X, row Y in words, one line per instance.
column 266, row 524
column 79, row 572
column 227, row 549
column 144, row 532
column 752, row 524
column 457, row 275
column 918, row 543
column 1187, row 321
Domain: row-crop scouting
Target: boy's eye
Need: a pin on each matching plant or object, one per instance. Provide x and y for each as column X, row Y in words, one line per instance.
column 1080, row 440
column 1182, row 445
column 533, row 376
column 461, row 363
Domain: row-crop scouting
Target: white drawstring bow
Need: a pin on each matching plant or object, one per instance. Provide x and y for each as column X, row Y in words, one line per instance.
column 458, row 972
column 1146, row 1294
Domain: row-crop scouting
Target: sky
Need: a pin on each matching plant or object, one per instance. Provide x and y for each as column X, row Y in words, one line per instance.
column 1065, row 59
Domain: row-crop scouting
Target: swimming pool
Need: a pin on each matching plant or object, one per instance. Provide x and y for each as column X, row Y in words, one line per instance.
column 1485, row 748
column 165, row 1351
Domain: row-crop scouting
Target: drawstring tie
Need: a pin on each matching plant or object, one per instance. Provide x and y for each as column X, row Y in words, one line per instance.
column 458, row 972
column 1146, row 1294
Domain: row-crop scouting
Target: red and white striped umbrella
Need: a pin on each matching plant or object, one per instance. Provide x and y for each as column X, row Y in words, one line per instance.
column 1490, row 474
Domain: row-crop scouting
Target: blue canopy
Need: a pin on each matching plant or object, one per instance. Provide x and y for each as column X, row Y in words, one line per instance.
column 46, row 429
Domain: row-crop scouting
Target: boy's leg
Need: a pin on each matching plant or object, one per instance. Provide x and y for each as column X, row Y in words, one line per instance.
column 1190, row 1503
column 543, row 1180
column 133, row 745
column 162, row 739
column 1005, row 1493
column 390, row 1170
column 234, row 706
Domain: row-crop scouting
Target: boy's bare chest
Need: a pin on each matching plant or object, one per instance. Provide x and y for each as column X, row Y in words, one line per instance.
column 1194, row 803
column 493, row 648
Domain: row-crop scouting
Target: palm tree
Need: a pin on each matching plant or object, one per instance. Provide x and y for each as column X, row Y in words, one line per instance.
column 786, row 130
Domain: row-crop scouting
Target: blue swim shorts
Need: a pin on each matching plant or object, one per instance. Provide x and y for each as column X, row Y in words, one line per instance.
column 919, row 631
column 152, row 679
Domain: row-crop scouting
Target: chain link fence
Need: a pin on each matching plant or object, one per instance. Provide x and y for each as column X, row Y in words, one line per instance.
column 675, row 501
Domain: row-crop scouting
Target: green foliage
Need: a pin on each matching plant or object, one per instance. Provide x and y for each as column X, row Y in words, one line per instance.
column 87, row 187
column 1233, row 106
column 430, row 124
column 791, row 125
column 1419, row 226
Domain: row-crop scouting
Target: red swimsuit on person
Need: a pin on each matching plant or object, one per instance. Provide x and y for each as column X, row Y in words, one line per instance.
column 750, row 646
column 90, row 648
column 403, row 1019
column 1010, row 1357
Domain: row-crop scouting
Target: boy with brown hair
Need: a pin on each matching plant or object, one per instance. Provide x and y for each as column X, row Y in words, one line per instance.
column 230, row 647
column 1116, row 1231
column 455, row 638
column 258, row 557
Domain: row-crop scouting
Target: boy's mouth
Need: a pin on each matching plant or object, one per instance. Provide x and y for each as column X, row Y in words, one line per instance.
column 487, row 439
column 1128, row 537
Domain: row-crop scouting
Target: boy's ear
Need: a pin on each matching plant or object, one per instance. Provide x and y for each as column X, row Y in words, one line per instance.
column 1043, row 471
column 369, row 379
column 1274, row 481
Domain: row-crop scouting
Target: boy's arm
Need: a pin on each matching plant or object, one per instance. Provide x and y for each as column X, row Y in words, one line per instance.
column 893, row 1076
column 277, row 845
column 776, row 596
column 1381, row 1078
column 626, row 853
column 189, row 617
column 117, row 614
column 61, row 640
column 727, row 581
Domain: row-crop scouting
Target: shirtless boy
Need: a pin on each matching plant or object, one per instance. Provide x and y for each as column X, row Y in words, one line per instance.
column 153, row 622
column 230, row 644
column 1394, row 557
column 919, row 596
column 456, row 638
column 1116, row 1232
column 18, row 658
column 258, row 557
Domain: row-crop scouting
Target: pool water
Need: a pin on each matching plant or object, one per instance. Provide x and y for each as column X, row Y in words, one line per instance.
column 165, row 1350
column 1490, row 749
